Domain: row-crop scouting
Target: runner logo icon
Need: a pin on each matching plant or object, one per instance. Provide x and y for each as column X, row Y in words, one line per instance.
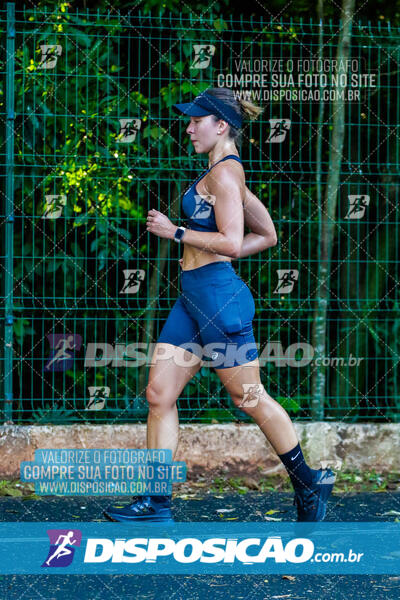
column 61, row 552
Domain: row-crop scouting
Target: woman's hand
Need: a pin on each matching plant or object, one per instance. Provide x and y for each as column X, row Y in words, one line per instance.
column 181, row 262
column 160, row 225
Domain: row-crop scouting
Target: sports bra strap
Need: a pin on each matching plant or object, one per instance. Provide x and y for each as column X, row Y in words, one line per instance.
column 225, row 158
column 218, row 161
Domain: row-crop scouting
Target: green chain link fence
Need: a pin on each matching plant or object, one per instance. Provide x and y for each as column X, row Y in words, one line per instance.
column 90, row 144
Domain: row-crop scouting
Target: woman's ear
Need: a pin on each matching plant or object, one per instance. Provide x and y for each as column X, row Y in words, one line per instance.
column 222, row 127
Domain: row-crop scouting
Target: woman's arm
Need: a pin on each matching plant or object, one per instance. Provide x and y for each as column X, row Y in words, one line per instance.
column 227, row 186
column 229, row 215
column 228, row 240
column 257, row 218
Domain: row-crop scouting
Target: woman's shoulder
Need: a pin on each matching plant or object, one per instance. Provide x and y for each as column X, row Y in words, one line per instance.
column 229, row 164
column 228, row 173
column 229, row 168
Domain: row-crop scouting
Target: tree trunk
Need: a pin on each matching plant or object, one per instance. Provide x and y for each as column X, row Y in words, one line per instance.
column 328, row 220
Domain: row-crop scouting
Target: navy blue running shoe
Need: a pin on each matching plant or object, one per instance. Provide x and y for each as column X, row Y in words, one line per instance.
column 143, row 508
column 311, row 502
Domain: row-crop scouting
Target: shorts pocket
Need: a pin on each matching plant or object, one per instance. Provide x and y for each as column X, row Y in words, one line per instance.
column 227, row 308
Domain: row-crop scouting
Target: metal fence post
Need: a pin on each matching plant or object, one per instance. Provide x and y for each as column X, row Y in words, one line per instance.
column 9, row 215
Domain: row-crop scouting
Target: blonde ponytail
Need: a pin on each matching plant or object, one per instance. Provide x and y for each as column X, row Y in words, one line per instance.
column 250, row 110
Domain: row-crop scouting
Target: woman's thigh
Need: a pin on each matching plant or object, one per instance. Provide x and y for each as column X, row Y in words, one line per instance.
column 181, row 329
column 171, row 369
column 241, row 380
column 177, row 355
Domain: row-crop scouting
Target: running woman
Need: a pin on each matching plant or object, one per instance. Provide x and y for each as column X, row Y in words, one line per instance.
column 216, row 307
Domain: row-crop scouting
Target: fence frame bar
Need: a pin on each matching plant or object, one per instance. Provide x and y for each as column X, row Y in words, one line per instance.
column 9, row 215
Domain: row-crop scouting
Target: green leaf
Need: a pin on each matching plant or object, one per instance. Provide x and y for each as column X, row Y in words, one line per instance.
column 220, row 25
column 9, row 491
column 81, row 220
column 123, row 232
column 76, row 249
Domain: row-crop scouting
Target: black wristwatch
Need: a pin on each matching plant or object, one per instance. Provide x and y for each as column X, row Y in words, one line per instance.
column 179, row 234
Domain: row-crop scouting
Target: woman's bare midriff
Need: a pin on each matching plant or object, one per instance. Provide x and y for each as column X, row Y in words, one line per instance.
column 193, row 258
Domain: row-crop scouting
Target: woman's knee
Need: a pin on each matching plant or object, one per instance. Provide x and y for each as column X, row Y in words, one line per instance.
column 157, row 396
column 249, row 397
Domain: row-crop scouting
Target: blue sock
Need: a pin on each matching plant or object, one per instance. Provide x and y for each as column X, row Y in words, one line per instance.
column 299, row 472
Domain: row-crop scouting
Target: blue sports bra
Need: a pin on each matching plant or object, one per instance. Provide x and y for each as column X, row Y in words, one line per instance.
column 198, row 210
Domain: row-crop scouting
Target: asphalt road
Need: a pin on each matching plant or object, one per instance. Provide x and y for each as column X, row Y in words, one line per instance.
column 248, row 507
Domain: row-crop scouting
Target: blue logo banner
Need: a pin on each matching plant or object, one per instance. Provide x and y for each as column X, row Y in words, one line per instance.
column 197, row 548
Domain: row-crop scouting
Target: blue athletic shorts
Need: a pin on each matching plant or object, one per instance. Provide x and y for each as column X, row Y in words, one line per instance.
column 213, row 316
